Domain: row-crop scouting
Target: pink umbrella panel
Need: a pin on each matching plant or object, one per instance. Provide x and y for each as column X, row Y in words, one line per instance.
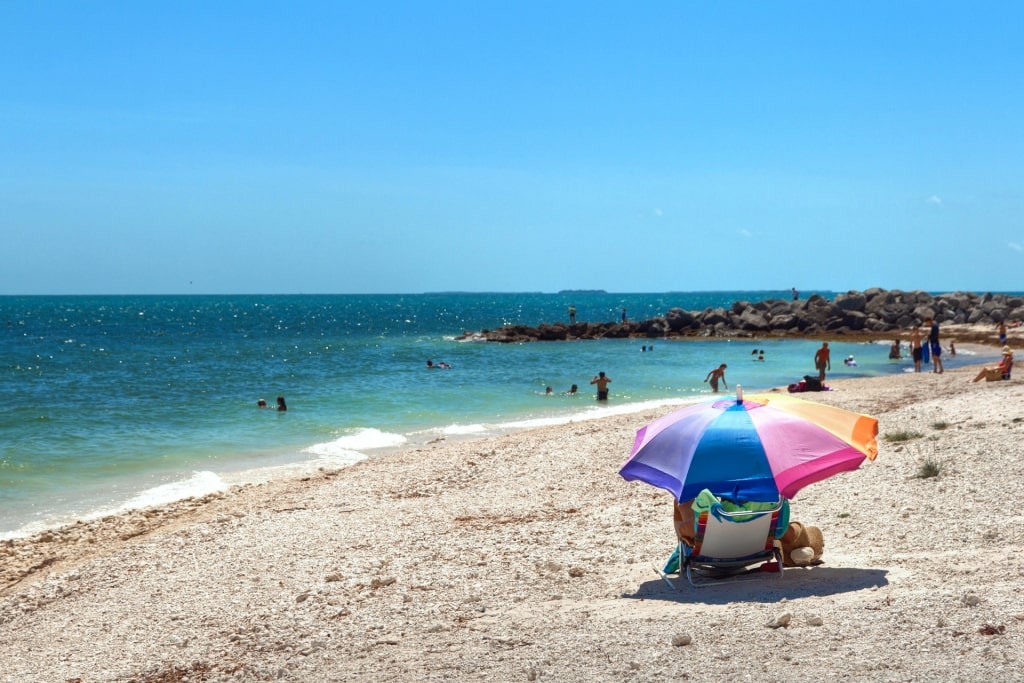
column 758, row 449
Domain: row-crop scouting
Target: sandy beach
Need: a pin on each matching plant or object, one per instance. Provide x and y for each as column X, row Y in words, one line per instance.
column 526, row 557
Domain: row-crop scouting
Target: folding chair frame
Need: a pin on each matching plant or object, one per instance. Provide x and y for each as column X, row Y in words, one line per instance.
column 693, row 559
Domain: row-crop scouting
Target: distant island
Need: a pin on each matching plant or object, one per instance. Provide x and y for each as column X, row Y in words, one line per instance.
column 462, row 292
column 582, row 291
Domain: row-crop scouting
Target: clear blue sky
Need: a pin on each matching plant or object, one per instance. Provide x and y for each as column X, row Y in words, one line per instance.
column 229, row 147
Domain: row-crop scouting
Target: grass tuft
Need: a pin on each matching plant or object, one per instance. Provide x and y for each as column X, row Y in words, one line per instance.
column 929, row 469
column 900, row 437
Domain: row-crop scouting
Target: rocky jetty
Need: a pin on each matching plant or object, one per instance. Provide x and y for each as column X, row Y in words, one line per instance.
column 874, row 313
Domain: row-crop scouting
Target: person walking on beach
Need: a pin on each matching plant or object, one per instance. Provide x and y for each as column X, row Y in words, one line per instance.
column 915, row 347
column 933, row 344
column 823, row 359
column 572, row 315
column 715, row 375
column 602, row 382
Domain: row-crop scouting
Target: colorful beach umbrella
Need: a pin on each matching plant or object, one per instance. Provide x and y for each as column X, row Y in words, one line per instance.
column 756, row 448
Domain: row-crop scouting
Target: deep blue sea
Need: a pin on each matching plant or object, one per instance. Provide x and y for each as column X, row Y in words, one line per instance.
column 115, row 402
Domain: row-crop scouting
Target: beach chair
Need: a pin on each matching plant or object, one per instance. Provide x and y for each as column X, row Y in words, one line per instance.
column 1003, row 376
column 729, row 542
column 996, row 374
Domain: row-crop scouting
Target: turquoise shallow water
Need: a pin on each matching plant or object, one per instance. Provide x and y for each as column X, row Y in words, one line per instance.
column 124, row 401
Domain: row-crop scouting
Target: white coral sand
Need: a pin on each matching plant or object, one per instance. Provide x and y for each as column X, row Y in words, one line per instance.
column 526, row 557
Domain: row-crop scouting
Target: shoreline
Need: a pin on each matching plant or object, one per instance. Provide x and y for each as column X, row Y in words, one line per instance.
column 526, row 556
column 307, row 461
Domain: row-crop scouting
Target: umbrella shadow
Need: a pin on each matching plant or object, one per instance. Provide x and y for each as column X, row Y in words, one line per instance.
column 766, row 588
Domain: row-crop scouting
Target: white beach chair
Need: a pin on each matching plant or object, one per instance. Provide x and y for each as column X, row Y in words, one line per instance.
column 728, row 543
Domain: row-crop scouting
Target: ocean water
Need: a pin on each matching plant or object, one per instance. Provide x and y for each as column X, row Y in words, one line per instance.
column 115, row 402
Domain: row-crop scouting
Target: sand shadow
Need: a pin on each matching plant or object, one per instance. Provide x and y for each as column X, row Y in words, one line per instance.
column 767, row 588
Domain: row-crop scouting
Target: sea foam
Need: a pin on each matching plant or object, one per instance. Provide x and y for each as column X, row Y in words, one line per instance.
column 198, row 485
column 357, row 440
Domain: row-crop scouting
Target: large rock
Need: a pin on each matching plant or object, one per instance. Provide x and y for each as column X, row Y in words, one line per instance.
column 679, row 319
column 554, row 332
column 714, row 317
column 855, row 320
column 751, row 319
column 851, row 301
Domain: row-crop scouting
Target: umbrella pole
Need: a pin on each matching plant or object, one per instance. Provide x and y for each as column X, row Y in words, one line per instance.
column 664, row 577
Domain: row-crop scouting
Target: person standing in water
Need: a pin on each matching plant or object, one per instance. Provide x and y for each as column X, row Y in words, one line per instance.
column 715, row 375
column 602, row 382
column 934, row 346
column 823, row 359
column 915, row 347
